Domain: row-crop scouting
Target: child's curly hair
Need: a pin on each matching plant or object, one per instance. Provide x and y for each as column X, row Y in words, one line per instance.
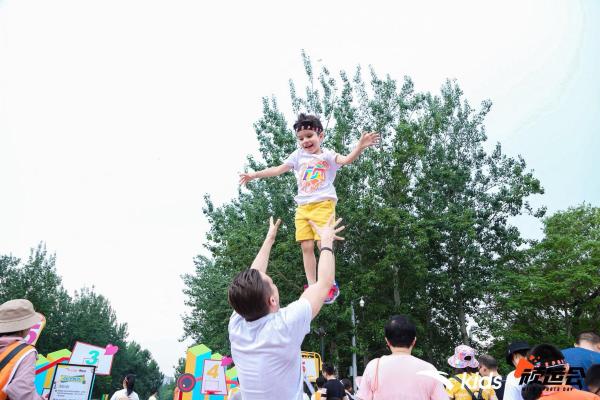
column 307, row 121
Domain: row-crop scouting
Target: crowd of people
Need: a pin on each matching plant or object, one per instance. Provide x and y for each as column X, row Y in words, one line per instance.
column 266, row 339
column 542, row 371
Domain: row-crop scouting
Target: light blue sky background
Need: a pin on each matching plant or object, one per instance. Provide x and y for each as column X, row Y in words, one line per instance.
column 117, row 116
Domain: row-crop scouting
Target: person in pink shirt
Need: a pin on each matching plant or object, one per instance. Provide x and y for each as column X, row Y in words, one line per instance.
column 398, row 375
column 17, row 358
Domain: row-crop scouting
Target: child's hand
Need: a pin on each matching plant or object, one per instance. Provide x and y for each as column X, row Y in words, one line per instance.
column 368, row 139
column 247, row 177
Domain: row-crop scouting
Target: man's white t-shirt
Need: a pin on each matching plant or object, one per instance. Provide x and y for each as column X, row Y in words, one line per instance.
column 266, row 352
column 315, row 174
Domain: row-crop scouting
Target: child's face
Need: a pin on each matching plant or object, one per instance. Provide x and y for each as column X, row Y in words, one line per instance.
column 310, row 140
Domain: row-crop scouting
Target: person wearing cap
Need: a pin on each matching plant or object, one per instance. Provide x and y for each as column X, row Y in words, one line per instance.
column 466, row 381
column 17, row 358
column 515, row 352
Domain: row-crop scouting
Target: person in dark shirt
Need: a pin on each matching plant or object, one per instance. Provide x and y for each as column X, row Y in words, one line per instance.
column 334, row 390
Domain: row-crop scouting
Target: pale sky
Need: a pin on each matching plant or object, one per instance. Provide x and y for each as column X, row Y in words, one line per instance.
column 116, row 117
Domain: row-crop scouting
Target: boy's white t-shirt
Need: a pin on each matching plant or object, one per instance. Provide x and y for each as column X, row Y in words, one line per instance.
column 315, row 174
column 266, row 352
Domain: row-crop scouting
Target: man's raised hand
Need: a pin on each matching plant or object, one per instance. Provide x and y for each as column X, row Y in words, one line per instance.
column 261, row 261
column 328, row 232
column 273, row 227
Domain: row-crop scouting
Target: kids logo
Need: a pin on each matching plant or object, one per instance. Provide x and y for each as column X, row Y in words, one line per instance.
column 473, row 382
column 313, row 176
column 73, row 379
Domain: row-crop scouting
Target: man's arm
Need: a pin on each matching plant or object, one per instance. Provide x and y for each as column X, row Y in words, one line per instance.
column 265, row 173
column 366, row 140
column 262, row 258
column 317, row 293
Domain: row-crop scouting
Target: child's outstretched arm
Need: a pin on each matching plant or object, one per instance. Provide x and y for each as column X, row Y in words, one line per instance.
column 265, row 173
column 366, row 140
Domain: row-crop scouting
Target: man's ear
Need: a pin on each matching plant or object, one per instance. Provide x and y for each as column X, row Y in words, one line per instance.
column 272, row 301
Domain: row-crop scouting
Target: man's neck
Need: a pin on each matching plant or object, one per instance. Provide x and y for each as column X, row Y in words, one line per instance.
column 401, row 350
column 587, row 346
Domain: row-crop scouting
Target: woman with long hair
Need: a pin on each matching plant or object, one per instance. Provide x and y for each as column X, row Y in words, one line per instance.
column 127, row 392
column 549, row 377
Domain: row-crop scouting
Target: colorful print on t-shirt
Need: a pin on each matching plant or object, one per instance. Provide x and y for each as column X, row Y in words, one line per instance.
column 313, row 176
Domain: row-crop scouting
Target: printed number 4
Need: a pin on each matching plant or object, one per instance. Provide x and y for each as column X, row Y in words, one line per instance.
column 93, row 360
column 213, row 372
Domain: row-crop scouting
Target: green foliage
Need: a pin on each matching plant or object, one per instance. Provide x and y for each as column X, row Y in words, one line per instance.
column 86, row 317
column 553, row 292
column 428, row 215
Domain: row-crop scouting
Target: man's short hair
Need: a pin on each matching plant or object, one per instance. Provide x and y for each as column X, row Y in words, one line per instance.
column 249, row 294
column 488, row 361
column 399, row 331
column 592, row 376
column 328, row 369
column 588, row 336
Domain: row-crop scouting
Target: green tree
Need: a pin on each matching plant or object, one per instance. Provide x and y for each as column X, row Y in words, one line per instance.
column 87, row 317
column 38, row 281
column 133, row 359
column 553, row 292
column 427, row 212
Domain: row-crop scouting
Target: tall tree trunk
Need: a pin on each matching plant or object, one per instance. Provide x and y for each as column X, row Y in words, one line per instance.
column 462, row 316
column 396, row 286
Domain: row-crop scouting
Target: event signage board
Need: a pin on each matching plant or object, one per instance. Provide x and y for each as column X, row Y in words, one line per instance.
column 213, row 378
column 88, row 354
column 72, row 382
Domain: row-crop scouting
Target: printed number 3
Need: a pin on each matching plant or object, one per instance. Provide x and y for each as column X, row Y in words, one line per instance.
column 94, row 358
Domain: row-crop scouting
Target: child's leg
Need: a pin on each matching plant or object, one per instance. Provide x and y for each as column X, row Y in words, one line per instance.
column 310, row 261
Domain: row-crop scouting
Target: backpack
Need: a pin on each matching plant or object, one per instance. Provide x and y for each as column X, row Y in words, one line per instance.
column 468, row 389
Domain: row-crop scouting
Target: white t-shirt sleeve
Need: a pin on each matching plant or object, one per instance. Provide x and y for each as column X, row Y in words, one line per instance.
column 297, row 317
column 330, row 157
column 292, row 160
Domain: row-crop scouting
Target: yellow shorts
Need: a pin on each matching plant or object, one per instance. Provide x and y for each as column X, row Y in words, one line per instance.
column 318, row 212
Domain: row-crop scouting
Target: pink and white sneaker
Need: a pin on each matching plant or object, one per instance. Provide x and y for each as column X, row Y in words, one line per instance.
column 334, row 292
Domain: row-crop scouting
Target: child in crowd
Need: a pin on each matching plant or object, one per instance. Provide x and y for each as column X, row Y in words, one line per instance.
column 315, row 170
